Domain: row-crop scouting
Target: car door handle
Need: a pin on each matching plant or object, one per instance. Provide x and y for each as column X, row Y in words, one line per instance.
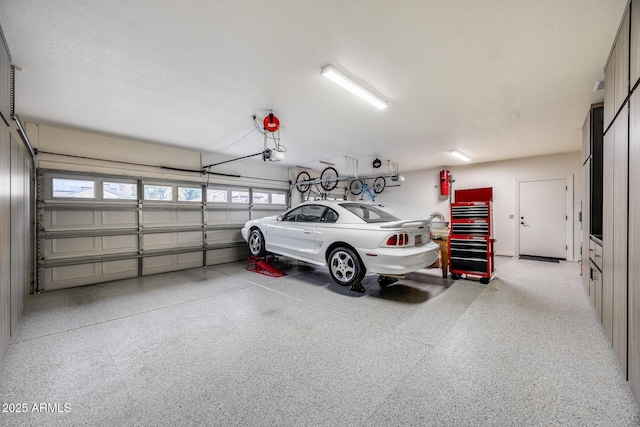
column 307, row 231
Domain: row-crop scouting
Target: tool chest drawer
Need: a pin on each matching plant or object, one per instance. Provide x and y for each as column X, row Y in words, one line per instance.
column 470, row 210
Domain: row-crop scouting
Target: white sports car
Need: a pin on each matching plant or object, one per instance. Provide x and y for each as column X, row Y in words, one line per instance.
column 350, row 237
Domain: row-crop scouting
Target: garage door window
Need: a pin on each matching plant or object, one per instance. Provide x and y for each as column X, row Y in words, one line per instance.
column 215, row 195
column 73, row 188
column 119, row 190
column 260, row 198
column 186, row 194
column 239, row 196
column 158, row 192
column 278, row 198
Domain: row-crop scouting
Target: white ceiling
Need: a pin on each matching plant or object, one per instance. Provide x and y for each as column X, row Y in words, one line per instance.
column 495, row 79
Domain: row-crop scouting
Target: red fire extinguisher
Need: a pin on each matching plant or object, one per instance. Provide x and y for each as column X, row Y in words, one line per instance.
column 445, row 182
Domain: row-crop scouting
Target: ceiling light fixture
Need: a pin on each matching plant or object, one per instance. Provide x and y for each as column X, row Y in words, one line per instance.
column 460, row 155
column 598, row 86
column 340, row 79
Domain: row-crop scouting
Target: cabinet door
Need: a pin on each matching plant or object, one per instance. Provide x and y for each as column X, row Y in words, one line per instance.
column 609, row 90
column 621, row 79
column 599, row 293
column 634, row 246
column 592, row 285
column 607, row 231
column 620, row 230
column 586, row 203
column 586, row 138
column 634, row 72
column 5, row 83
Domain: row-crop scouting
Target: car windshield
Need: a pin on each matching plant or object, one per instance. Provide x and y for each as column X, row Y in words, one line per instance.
column 369, row 213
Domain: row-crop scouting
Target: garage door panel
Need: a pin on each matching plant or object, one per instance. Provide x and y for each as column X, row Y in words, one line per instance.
column 59, row 274
column 237, row 217
column 223, row 236
column 218, row 217
column 159, row 241
column 190, row 260
column 127, row 266
column 89, row 246
column 190, row 218
column 192, row 238
column 112, row 243
column 219, row 256
column 119, row 218
column 75, row 219
column 159, row 218
column 166, row 263
column 156, row 262
column 72, row 276
column 70, row 246
column 228, row 216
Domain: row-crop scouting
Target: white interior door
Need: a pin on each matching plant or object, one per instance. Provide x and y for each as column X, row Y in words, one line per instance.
column 543, row 218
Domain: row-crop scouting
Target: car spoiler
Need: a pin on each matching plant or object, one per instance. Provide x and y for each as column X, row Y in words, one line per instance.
column 407, row 223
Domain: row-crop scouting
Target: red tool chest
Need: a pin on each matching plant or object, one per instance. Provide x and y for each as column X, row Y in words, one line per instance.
column 471, row 239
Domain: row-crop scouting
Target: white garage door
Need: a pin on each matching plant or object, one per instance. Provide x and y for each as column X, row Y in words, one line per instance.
column 98, row 228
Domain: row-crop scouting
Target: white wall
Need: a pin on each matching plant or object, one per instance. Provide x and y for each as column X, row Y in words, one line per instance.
column 418, row 196
column 94, row 152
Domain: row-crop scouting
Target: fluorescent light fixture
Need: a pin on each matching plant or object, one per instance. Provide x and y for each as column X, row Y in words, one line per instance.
column 599, row 85
column 337, row 77
column 460, row 155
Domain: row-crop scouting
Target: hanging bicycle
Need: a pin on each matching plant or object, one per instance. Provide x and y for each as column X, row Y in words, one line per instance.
column 327, row 181
column 360, row 186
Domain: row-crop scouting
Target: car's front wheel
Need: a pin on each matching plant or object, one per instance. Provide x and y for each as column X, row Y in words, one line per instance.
column 256, row 243
column 345, row 266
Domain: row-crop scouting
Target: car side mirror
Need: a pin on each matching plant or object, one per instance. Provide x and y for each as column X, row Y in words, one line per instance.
column 279, row 218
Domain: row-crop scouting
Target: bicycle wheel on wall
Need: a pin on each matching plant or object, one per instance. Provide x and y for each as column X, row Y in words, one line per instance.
column 379, row 184
column 329, row 179
column 302, row 181
column 356, row 186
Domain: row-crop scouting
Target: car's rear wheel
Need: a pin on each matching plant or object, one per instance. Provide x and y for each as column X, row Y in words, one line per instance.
column 345, row 266
column 256, row 243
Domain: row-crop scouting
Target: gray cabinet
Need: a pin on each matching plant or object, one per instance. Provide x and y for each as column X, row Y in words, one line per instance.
column 634, row 65
column 620, row 238
column 5, row 81
column 621, row 57
column 609, row 92
column 614, row 284
column 616, row 72
column 634, row 246
column 595, row 276
column 607, row 232
column 586, row 203
column 5, row 198
column 586, row 138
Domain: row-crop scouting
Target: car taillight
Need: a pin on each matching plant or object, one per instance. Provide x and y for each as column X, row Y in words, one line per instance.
column 398, row 239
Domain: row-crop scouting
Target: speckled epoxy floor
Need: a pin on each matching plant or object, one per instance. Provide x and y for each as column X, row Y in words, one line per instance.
column 223, row 346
